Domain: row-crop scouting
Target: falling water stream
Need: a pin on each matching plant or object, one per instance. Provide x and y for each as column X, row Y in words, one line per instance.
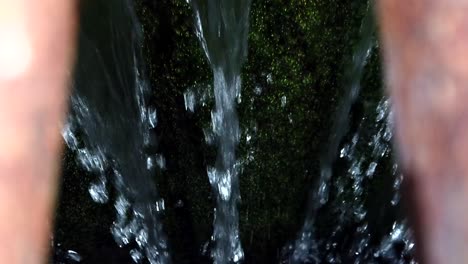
column 362, row 156
column 111, row 123
column 305, row 245
column 222, row 28
column 359, row 174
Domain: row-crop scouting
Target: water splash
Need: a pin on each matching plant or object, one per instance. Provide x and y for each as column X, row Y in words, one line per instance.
column 340, row 127
column 362, row 154
column 349, row 190
column 319, row 196
column 222, row 27
column 110, row 123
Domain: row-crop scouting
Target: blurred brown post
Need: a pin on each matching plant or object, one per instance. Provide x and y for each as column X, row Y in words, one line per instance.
column 36, row 52
column 425, row 45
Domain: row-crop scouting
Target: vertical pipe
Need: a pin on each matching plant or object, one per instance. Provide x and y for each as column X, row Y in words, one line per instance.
column 36, row 53
column 425, row 45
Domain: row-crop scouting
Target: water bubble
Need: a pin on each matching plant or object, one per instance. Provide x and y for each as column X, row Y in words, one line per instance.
column 98, row 191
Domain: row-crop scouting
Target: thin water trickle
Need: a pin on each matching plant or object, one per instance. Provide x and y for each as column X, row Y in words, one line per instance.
column 349, row 201
column 350, row 190
column 305, row 245
column 110, row 124
column 222, row 28
column 340, row 127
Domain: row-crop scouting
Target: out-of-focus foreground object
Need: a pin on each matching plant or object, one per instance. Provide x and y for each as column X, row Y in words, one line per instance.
column 426, row 57
column 36, row 51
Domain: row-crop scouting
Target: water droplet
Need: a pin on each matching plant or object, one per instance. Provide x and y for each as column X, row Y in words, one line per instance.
column 98, row 191
column 149, row 163
column 370, row 171
column 160, row 205
column 323, row 193
column 73, row 255
column 160, row 161
column 269, row 78
column 153, row 118
column 69, row 137
column 91, row 161
column 121, row 205
column 189, row 98
column 141, row 238
column 136, row 255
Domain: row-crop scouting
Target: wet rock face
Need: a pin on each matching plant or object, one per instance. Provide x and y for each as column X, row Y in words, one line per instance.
column 426, row 68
